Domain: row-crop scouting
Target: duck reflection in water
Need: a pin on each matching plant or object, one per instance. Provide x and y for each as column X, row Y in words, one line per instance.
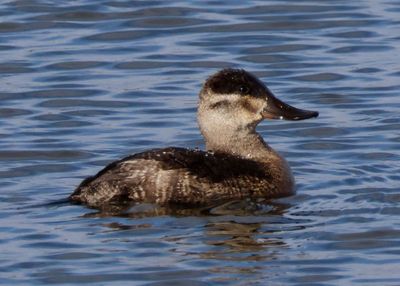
column 241, row 232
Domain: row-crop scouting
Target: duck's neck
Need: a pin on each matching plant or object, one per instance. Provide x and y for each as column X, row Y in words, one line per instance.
column 244, row 141
column 240, row 141
column 235, row 135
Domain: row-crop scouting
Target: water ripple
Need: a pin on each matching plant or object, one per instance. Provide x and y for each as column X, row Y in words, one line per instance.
column 87, row 82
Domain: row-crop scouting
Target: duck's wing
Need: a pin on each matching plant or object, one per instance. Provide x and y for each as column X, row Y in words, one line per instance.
column 170, row 175
column 215, row 166
column 130, row 178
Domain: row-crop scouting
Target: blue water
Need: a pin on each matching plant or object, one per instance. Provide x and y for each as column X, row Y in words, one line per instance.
column 83, row 83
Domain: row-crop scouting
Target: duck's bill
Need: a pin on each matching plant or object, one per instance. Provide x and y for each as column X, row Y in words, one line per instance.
column 277, row 109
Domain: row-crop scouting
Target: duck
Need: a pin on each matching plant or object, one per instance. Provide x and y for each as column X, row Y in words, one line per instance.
column 237, row 163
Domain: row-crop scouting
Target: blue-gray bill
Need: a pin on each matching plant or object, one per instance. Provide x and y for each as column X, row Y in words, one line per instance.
column 277, row 109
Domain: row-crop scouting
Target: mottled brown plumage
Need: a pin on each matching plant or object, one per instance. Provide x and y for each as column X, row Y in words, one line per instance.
column 241, row 165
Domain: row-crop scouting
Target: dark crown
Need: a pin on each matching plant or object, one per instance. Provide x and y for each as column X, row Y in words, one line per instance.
column 234, row 81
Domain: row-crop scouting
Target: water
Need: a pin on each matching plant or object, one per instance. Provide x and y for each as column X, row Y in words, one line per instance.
column 86, row 82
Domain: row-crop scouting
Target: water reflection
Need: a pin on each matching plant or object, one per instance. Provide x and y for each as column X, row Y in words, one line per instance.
column 238, row 238
column 224, row 233
column 249, row 207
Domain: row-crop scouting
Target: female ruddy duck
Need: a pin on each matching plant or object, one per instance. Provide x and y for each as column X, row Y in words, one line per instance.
column 239, row 164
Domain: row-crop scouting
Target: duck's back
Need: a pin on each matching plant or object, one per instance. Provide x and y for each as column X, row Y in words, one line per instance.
column 178, row 175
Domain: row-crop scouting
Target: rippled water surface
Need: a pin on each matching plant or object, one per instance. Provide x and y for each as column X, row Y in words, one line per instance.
column 86, row 82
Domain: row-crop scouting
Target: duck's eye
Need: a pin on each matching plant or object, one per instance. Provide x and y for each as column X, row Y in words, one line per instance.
column 244, row 89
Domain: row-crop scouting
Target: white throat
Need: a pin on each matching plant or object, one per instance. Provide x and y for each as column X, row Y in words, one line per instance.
column 231, row 135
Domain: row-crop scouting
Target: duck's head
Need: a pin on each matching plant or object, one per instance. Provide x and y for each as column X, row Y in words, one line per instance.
column 236, row 98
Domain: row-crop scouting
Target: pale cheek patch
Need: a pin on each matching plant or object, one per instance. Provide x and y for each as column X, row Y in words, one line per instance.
column 254, row 107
